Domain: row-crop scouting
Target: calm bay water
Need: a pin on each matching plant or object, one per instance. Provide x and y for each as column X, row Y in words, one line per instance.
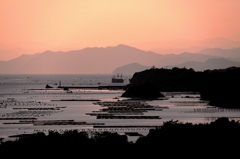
column 23, row 98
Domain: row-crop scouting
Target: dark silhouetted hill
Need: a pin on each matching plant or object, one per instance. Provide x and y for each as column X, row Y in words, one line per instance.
column 220, row 86
column 214, row 139
column 175, row 79
column 145, row 90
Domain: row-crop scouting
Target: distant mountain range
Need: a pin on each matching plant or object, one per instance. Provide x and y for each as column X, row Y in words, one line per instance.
column 210, row 64
column 130, row 68
column 105, row 61
column 179, row 46
column 214, row 63
column 228, row 53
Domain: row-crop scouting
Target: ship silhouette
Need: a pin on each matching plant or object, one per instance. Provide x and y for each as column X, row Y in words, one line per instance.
column 118, row 78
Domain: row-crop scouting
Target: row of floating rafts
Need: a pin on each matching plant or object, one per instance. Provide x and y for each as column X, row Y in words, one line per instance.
column 120, row 103
column 60, row 123
column 29, row 114
column 130, row 109
column 210, row 110
column 121, row 127
column 39, row 108
column 192, row 104
column 189, row 103
column 23, row 103
column 186, row 104
column 127, row 117
column 54, row 122
column 118, row 111
column 112, row 114
column 76, row 100
column 82, row 93
column 98, row 129
column 125, row 110
column 128, row 105
column 152, row 109
column 55, row 96
column 132, row 105
column 17, row 118
column 137, row 107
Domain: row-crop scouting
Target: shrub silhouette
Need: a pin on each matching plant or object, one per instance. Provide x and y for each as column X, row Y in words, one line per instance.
column 215, row 138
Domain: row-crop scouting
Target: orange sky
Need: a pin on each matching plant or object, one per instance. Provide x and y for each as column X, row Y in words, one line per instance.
column 74, row 24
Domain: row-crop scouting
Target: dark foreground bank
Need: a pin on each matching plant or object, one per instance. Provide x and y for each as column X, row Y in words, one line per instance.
column 216, row 138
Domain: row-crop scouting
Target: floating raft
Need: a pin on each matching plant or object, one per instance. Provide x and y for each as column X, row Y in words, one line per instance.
column 134, row 105
column 55, row 122
column 77, row 100
column 13, row 102
column 111, row 114
column 128, row 117
column 122, row 103
column 126, row 126
column 39, row 108
column 18, row 118
column 189, row 103
column 131, row 109
column 117, row 111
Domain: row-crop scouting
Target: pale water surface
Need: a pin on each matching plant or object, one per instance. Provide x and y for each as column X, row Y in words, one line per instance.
column 24, row 98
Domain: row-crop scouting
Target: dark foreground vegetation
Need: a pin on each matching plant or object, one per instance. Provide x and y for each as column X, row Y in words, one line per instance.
column 221, row 87
column 173, row 138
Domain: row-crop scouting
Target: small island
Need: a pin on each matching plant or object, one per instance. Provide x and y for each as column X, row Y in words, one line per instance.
column 144, row 91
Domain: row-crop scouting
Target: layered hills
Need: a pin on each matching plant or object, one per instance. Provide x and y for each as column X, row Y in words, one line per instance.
column 120, row 58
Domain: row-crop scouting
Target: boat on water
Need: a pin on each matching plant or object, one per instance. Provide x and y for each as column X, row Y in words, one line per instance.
column 118, row 78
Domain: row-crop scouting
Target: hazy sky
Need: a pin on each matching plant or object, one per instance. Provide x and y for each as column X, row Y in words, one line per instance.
column 73, row 24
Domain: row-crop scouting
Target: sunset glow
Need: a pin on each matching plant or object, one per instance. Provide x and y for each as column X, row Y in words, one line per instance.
column 76, row 24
